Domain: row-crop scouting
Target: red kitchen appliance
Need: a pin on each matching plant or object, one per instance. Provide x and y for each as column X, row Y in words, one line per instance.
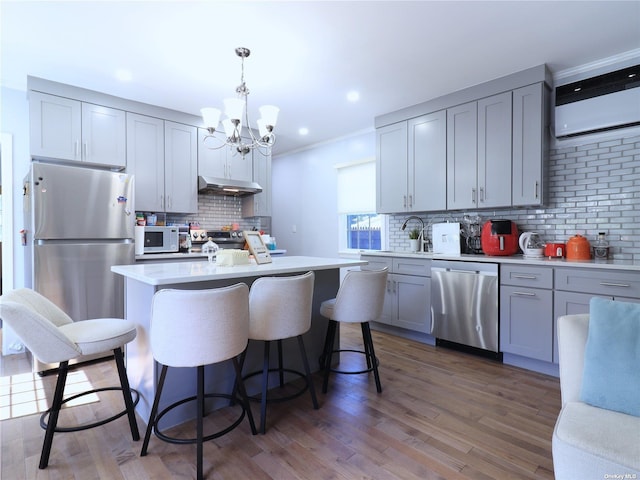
column 499, row 237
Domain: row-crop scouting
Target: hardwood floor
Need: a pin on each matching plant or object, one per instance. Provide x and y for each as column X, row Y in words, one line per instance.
column 441, row 415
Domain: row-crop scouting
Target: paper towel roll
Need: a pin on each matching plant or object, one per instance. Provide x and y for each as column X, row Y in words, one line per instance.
column 139, row 240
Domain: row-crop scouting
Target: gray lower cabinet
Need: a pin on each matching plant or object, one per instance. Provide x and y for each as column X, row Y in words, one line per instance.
column 408, row 296
column 526, row 311
column 575, row 287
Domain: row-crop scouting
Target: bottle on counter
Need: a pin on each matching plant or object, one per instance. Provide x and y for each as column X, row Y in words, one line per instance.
column 601, row 247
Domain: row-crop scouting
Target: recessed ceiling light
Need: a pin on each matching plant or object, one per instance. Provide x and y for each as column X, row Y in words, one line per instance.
column 353, row 96
column 124, row 75
column 303, row 131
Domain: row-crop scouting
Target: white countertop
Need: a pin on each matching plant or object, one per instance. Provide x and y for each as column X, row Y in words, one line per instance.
column 199, row 271
column 187, row 255
column 513, row 259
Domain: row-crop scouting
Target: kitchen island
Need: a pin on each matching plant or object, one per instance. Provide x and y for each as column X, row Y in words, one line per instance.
column 144, row 279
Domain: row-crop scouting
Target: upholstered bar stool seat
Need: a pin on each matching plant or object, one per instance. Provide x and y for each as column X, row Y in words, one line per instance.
column 280, row 308
column 53, row 337
column 194, row 328
column 359, row 300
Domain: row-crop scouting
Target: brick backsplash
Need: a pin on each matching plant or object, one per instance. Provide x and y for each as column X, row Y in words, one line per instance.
column 217, row 211
column 591, row 188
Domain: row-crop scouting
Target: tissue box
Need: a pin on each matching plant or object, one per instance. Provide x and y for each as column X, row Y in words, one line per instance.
column 446, row 238
column 229, row 257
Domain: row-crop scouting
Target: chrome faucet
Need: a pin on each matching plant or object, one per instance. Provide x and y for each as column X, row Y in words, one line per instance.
column 421, row 240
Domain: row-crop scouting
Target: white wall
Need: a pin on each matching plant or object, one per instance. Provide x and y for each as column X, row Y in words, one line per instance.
column 305, row 194
column 14, row 120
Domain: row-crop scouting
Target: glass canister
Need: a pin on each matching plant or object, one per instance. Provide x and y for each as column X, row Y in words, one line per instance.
column 601, row 247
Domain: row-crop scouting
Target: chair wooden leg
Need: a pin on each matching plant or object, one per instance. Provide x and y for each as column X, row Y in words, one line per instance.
column 328, row 353
column 199, row 426
column 307, row 371
column 126, row 393
column 371, row 356
column 53, row 414
column 154, row 410
column 265, row 387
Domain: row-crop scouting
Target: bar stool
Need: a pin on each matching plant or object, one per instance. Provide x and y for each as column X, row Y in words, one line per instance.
column 359, row 300
column 53, row 337
column 194, row 328
column 280, row 308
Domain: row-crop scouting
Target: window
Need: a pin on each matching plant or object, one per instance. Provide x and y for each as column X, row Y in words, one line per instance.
column 360, row 227
column 363, row 231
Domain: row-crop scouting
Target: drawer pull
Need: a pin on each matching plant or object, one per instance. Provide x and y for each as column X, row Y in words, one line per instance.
column 525, row 294
column 526, row 277
column 611, row 284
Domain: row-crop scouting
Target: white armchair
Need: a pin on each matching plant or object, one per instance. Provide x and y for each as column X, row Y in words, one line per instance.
column 589, row 442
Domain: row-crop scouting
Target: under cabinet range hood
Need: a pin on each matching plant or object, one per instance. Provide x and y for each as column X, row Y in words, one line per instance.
column 224, row 186
column 597, row 104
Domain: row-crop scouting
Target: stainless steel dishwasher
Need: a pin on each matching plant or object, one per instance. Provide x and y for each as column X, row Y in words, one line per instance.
column 464, row 303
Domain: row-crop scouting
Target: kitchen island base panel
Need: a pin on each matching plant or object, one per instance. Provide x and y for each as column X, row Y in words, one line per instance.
column 143, row 371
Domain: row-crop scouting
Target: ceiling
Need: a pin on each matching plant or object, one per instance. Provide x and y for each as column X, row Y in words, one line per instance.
column 305, row 55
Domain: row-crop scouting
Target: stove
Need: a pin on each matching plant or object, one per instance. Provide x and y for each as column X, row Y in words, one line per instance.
column 223, row 238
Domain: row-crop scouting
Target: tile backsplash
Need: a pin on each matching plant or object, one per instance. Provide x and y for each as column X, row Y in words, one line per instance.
column 217, row 211
column 591, row 188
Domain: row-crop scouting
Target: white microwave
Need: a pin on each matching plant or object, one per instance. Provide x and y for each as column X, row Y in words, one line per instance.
column 160, row 239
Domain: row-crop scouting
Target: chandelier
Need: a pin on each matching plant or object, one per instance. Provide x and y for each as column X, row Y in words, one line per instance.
column 237, row 116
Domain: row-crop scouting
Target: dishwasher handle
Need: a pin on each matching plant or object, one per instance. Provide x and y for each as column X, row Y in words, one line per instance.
column 466, row 272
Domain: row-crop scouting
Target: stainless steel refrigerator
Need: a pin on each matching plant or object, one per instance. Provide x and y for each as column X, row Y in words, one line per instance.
column 81, row 223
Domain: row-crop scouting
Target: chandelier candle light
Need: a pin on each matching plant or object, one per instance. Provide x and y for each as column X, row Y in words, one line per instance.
column 237, row 116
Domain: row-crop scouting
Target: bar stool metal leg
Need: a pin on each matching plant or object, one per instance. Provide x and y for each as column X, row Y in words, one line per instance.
column 53, row 415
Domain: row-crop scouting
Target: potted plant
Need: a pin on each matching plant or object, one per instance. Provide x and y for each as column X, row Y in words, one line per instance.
column 414, row 235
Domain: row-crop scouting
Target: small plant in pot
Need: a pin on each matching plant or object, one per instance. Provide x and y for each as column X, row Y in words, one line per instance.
column 413, row 240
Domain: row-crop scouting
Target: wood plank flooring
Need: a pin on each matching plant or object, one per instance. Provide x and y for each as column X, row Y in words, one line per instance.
column 441, row 415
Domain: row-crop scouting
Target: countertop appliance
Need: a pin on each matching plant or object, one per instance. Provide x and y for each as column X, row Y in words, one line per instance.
column 160, row 239
column 464, row 304
column 499, row 237
column 578, row 248
column 80, row 223
column 223, row 238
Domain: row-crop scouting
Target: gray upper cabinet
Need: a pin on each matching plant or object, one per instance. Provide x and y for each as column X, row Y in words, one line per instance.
column 428, row 158
column 411, row 166
column 163, row 157
column 479, row 153
column 259, row 205
column 66, row 129
column 530, row 144
column 145, row 153
column 494, row 151
column 180, row 167
column 392, row 169
column 220, row 162
column 462, row 156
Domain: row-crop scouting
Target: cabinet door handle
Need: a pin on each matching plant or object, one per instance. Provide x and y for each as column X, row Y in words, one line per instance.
column 388, row 286
column 394, row 286
column 410, row 200
column 162, row 201
column 76, row 148
column 482, row 194
column 535, row 189
column 525, row 294
column 521, row 275
column 85, row 149
column 404, row 201
column 473, row 195
column 611, row 284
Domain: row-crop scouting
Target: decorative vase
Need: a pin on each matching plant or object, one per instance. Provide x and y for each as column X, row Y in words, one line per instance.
column 414, row 244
